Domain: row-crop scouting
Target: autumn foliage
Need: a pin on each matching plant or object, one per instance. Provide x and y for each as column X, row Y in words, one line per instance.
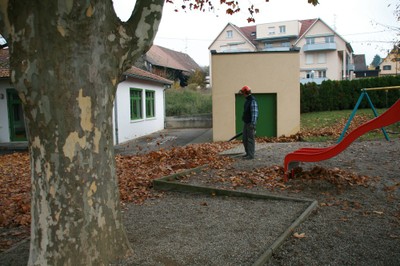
column 135, row 175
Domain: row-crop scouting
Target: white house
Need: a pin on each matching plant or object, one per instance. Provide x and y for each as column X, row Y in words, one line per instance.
column 138, row 110
column 139, row 105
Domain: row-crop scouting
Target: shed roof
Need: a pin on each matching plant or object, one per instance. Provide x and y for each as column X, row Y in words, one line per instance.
column 145, row 75
column 161, row 56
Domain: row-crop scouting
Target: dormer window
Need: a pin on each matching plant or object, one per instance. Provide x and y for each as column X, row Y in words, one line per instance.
column 229, row 34
column 253, row 33
column 310, row 40
column 271, row 30
column 329, row 39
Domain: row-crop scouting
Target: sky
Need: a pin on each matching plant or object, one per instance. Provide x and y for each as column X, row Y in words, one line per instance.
column 368, row 25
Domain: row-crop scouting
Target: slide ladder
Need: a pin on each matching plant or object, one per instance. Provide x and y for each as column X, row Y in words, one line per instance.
column 391, row 116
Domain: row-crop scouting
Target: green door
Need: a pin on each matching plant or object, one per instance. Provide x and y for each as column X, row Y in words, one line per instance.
column 266, row 124
column 15, row 116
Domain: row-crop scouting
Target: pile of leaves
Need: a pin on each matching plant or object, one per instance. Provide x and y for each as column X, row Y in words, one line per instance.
column 336, row 130
column 333, row 132
column 271, row 178
column 135, row 175
column 15, row 188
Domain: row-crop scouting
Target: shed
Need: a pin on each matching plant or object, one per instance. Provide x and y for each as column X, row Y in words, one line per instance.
column 273, row 79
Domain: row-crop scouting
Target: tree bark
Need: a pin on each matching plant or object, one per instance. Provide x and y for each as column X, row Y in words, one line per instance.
column 66, row 59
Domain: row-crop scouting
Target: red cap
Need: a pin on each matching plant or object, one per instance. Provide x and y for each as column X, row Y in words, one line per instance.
column 245, row 90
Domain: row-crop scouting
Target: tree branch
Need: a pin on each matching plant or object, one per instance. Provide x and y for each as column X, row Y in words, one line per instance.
column 142, row 27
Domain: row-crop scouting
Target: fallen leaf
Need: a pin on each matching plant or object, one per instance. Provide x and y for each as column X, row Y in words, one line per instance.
column 297, row 235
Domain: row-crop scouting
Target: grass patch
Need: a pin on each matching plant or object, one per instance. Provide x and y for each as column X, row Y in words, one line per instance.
column 327, row 126
column 187, row 102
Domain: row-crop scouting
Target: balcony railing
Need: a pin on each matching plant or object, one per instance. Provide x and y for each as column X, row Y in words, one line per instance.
column 319, row 47
column 274, row 49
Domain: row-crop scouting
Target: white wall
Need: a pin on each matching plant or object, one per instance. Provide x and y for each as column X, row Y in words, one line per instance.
column 130, row 129
column 4, row 127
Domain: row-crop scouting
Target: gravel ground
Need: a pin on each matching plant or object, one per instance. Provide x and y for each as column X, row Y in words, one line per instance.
column 353, row 225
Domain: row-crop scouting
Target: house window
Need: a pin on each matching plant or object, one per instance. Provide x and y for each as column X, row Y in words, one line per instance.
column 310, row 74
column 321, row 58
column 271, row 30
column 310, row 40
column 309, row 59
column 322, row 73
column 329, row 39
column 387, row 67
column 136, row 104
column 150, row 102
column 285, row 44
column 282, row 29
column 229, row 34
column 267, row 45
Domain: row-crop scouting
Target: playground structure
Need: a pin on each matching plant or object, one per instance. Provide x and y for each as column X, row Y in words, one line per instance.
column 391, row 116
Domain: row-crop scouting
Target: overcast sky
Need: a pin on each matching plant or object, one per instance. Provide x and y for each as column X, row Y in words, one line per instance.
column 366, row 24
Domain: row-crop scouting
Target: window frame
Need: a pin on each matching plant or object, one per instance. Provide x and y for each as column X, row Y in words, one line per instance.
column 271, row 30
column 309, row 59
column 150, row 103
column 310, row 40
column 136, row 103
column 321, row 58
column 229, row 34
column 387, row 67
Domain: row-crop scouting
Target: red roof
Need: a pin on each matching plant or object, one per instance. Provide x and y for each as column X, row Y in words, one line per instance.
column 249, row 33
column 4, row 63
column 161, row 56
column 132, row 72
column 143, row 74
column 305, row 25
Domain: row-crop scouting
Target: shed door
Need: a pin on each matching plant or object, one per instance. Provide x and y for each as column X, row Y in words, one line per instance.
column 266, row 124
column 15, row 116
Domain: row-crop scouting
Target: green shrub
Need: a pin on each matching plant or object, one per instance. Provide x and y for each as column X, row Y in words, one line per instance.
column 341, row 95
column 187, row 102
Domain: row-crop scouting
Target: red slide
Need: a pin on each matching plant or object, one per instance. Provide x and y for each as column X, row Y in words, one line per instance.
column 391, row 116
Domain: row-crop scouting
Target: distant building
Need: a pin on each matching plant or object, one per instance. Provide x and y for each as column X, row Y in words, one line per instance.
column 170, row 64
column 360, row 67
column 390, row 65
column 139, row 107
column 324, row 54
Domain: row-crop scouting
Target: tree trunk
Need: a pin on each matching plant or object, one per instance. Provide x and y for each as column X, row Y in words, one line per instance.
column 66, row 60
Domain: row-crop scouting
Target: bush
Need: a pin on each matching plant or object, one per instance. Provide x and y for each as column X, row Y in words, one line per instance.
column 341, row 95
column 187, row 102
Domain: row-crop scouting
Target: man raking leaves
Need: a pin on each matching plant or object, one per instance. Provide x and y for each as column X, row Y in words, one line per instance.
column 249, row 117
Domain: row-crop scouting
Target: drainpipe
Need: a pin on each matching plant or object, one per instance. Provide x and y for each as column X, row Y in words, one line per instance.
column 116, row 117
column 344, row 65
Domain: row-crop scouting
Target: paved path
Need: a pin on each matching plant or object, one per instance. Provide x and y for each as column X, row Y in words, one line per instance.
column 166, row 138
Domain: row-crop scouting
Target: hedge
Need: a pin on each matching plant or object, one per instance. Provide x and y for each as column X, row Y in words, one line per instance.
column 339, row 95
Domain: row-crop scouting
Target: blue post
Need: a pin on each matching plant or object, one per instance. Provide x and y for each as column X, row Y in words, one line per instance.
column 376, row 115
column 352, row 116
column 363, row 93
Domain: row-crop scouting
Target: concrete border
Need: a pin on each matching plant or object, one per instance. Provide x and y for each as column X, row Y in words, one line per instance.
column 169, row 183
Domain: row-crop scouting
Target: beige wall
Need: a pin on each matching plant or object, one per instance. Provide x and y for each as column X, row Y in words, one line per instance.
column 292, row 29
column 390, row 60
column 264, row 72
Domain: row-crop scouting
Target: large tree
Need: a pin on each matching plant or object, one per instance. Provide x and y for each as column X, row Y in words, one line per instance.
column 66, row 58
